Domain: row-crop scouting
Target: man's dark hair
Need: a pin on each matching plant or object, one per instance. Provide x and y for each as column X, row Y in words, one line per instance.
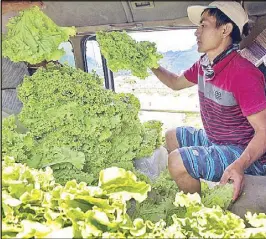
column 222, row 19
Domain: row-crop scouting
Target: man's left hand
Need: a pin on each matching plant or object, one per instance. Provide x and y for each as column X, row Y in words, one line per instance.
column 234, row 172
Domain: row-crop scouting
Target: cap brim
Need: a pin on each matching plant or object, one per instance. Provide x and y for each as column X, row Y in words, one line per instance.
column 194, row 13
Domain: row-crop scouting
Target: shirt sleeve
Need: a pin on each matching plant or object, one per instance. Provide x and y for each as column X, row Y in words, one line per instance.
column 192, row 73
column 250, row 92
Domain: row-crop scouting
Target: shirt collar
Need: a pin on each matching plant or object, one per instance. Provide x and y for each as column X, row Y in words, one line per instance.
column 219, row 63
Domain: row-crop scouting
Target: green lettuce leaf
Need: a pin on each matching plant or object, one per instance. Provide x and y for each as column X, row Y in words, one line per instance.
column 219, row 195
column 33, row 37
column 33, row 229
column 122, row 184
column 256, row 220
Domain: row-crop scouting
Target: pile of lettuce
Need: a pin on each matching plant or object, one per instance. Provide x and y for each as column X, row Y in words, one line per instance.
column 122, row 52
column 33, row 37
column 75, row 126
column 159, row 204
column 34, row 206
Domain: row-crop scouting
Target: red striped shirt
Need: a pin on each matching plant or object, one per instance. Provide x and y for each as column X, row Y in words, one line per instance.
column 236, row 91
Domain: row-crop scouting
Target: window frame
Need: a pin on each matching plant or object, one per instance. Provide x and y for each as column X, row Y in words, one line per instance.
column 108, row 74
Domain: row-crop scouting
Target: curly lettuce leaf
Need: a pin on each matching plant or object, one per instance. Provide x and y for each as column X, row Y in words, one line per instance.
column 122, row 52
column 33, row 37
column 72, row 120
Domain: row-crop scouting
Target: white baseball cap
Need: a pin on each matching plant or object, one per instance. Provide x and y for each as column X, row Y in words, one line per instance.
column 233, row 10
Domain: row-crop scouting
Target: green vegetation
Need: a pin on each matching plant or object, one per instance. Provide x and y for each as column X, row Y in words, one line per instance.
column 33, row 37
column 122, row 52
column 219, row 195
column 75, row 125
column 72, row 132
column 34, row 206
column 159, row 204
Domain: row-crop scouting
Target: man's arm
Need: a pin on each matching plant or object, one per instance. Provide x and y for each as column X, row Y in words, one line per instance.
column 255, row 149
column 257, row 146
column 171, row 80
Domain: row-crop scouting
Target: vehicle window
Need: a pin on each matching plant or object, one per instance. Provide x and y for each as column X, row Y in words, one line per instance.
column 173, row 108
column 69, row 56
column 93, row 57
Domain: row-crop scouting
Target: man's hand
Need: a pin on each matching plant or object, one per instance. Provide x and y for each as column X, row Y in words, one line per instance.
column 234, row 172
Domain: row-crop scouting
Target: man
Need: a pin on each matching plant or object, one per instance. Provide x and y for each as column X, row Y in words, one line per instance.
column 232, row 104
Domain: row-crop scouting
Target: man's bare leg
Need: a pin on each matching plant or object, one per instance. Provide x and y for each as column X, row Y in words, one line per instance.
column 176, row 167
column 179, row 174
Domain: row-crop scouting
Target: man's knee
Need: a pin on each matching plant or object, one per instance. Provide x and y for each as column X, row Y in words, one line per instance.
column 175, row 164
column 180, row 175
column 171, row 140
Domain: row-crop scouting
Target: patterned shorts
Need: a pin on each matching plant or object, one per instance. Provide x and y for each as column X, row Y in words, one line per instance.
column 207, row 160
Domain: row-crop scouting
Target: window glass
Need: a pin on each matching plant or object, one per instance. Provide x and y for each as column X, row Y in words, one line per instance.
column 173, row 108
column 69, row 56
column 93, row 57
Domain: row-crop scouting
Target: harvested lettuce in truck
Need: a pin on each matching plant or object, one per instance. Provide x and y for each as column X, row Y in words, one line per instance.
column 220, row 195
column 75, row 125
column 34, row 206
column 33, row 37
column 151, row 138
column 122, row 52
column 159, row 203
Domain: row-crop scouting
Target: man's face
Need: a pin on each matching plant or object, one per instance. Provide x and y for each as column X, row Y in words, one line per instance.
column 208, row 36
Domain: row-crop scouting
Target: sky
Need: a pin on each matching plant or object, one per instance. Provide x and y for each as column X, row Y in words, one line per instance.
column 168, row 40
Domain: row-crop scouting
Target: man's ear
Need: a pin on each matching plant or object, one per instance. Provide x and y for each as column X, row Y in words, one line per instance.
column 227, row 29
